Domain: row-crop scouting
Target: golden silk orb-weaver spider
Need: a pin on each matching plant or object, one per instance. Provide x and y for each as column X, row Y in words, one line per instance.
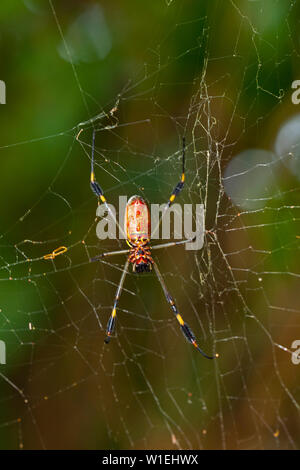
column 138, row 234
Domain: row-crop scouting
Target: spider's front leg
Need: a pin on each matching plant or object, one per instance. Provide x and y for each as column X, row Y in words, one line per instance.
column 180, row 184
column 95, row 186
column 178, row 188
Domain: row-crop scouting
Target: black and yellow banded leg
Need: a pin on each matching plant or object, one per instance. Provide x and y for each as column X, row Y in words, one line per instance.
column 176, row 190
column 112, row 319
column 180, row 184
column 170, row 244
column 189, row 335
column 96, row 188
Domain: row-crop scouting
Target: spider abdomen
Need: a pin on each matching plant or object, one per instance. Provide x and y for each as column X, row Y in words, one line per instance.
column 137, row 220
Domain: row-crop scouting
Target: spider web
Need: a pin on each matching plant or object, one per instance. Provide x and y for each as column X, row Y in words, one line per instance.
column 219, row 73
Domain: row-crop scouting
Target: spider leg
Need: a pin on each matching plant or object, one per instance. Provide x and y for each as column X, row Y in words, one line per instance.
column 170, row 244
column 97, row 190
column 180, row 184
column 110, row 253
column 189, row 335
column 177, row 188
column 112, row 319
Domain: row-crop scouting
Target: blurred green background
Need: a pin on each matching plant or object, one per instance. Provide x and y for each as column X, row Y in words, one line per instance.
column 220, row 73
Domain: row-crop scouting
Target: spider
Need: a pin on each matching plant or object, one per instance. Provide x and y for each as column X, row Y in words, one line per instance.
column 137, row 227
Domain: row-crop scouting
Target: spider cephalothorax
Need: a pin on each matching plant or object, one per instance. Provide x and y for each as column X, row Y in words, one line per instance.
column 140, row 257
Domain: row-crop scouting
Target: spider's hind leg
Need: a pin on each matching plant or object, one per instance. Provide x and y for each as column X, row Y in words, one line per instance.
column 186, row 330
column 112, row 319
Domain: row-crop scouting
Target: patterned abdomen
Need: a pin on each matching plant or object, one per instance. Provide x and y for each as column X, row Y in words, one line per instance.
column 137, row 220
